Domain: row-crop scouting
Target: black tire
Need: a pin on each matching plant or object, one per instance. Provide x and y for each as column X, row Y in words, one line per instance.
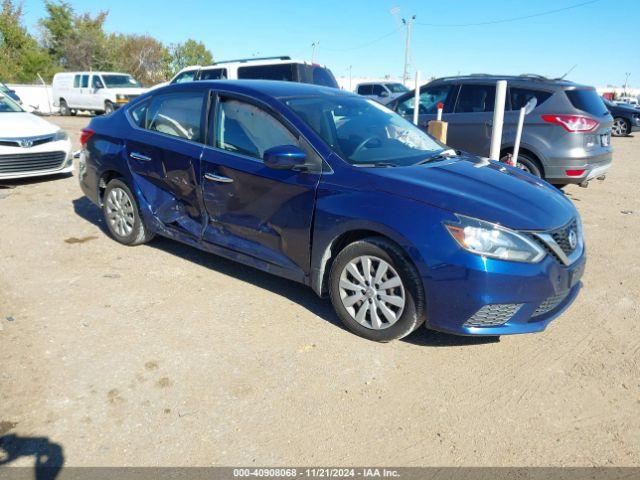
column 527, row 163
column 413, row 313
column 108, row 107
column 621, row 127
column 73, row 112
column 137, row 233
column 64, row 108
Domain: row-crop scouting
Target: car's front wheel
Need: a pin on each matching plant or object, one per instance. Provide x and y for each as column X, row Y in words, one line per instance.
column 376, row 291
column 620, row 127
column 122, row 215
column 526, row 164
column 108, row 108
column 64, row 108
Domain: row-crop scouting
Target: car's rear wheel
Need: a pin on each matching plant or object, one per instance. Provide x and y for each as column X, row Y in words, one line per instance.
column 64, row 108
column 375, row 291
column 122, row 215
column 620, row 127
column 526, row 164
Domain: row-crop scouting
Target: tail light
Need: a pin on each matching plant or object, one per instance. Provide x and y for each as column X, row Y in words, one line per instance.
column 85, row 135
column 572, row 123
column 574, row 173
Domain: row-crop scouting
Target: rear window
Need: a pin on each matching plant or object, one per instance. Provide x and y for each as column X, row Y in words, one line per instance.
column 587, row 100
column 268, row 72
column 520, row 97
column 365, row 89
column 323, row 77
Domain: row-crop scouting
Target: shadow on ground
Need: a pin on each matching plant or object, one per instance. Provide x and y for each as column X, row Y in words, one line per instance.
column 295, row 292
column 49, row 456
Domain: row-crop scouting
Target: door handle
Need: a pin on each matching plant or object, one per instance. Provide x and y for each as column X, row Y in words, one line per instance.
column 212, row 177
column 139, row 156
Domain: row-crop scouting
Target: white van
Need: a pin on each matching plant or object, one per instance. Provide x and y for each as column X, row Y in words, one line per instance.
column 98, row 92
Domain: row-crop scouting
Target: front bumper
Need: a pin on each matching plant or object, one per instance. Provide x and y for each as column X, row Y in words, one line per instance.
column 457, row 296
column 32, row 158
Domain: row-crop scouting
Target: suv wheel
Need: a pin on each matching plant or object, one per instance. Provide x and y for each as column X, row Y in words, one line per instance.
column 527, row 164
column 620, row 127
column 64, row 108
column 122, row 216
column 375, row 291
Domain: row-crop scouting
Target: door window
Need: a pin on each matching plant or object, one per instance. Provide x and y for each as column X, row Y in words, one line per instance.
column 177, row 114
column 364, row 89
column 476, row 98
column 377, row 90
column 429, row 99
column 96, row 82
column 246, row 129
column 520, row 97
column 76, row 81
column 213, row 74
column 85, row 81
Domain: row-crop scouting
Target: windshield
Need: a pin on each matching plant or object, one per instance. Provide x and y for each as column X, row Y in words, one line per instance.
column 120, row 81
column 363, row 132
column 396, row 87
column 8, row 105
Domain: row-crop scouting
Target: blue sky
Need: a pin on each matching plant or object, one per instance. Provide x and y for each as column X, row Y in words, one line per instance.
column 601, row 38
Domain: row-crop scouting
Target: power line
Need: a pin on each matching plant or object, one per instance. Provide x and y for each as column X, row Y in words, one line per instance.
column 511, row 19
column 376, row 40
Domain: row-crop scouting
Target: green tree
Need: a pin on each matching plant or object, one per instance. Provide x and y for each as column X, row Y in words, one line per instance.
column 21, row 58
column 142, row 56
column 189, row 53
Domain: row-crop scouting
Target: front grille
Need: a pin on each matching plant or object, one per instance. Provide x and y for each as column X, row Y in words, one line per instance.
column 31, row 162
column 493, row 315
column 550, row 304
column 16, row 142
column 561, row 236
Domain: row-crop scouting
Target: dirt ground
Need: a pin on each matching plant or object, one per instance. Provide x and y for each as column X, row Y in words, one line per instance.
column 164, row 355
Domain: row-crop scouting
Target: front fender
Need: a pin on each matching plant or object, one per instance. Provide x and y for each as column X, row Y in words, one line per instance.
column 416, row 227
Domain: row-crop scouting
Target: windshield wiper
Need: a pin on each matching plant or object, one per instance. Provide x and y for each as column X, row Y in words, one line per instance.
column 450, row 153
column 377, row 164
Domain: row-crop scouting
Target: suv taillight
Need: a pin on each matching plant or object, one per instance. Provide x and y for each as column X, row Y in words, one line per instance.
column 85, row 135
column 572, row 123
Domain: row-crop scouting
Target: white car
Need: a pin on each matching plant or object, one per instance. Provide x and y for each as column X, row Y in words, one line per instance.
column 98, row 92
column 29, row 145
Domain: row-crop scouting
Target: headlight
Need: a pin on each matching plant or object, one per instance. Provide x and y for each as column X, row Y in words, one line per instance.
column 60, row 135
column 120, row 96
column 492, row 240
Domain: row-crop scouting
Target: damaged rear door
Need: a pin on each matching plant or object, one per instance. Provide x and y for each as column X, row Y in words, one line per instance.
column 164, row 155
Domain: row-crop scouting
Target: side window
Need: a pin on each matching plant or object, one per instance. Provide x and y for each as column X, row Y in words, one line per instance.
column 322, row 76
column 284, row 71
column 85, row 81
column 520, row 97
column 248, row 130
column 429, row 99
column 364, row 90
column 377, row 90
column 76, row 81
column 476, row 98
column 138, row 114
column 177, row 114
column 185, row 77
column 213, row 74
column 96, row 82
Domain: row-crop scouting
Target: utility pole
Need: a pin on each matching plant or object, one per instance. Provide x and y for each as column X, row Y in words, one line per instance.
column 626, row 82
column 314, row 45
column 407, row 46
column 350, row 87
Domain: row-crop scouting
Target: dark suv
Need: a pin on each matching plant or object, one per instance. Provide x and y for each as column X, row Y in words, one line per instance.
column 566, row 138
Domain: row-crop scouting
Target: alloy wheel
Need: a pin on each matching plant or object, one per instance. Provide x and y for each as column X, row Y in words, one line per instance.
column 620, row 127
column 372, row 292
column 120, row 212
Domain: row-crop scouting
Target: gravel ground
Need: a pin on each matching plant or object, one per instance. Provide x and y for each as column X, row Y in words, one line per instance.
column 164, row 355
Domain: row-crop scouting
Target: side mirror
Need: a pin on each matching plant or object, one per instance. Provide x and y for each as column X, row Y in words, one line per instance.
column 284, row 157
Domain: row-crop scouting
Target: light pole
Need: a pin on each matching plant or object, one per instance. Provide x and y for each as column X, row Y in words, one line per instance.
column 350, row 87
column 407, row 45
column 626, row 82
column 314, row 45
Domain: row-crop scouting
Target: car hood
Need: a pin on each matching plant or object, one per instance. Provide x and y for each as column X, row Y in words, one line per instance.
column 23, row 124
column 486, row 190
column 129, row 91
column 623, row 109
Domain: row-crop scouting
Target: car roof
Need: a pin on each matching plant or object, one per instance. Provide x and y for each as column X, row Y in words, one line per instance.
column 524, row 78
column 273, row 88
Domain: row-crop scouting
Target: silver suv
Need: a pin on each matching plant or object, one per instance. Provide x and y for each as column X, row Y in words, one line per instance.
column 566, row 138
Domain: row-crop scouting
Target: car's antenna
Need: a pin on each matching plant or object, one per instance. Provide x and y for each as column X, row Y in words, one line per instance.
column 570, row 70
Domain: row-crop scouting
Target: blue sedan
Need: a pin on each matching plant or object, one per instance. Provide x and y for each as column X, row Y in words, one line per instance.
column 339, row 193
